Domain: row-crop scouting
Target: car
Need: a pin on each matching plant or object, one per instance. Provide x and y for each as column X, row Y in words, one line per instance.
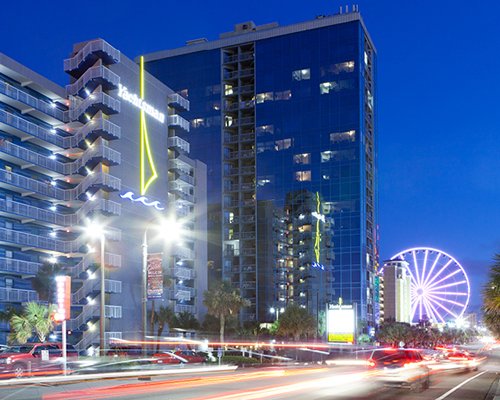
column 453, row 359
column 19, row 361
column 399, row 367
column 167, row 357
column 191, row 356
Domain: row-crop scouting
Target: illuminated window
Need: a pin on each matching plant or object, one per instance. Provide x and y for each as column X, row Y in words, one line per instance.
column 327, row 87
column 228, row 121
column 303, row 176
column 228, row 89
column 197, row 122
column 339, row 137
column 264, row 129
column 263, row 97
column 283, row 144
column 369, row 97
column 301, row 74
column 366, row 58
column 326, row 156
column 304, row 158
column 285, row 95
column 263, row 181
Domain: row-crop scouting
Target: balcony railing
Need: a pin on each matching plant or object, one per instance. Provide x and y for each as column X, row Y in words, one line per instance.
column 97, row 150
column 32, row 101
column 177, row 121
column 179, row 102
column 98, row 72
column 184, row 273
column 19, row 266
column 91, row 47
column 100, row 100
column 45, row 134
column 17, row 295
column 179, row 143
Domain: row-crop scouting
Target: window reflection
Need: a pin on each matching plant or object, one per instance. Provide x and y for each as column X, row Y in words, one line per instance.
column 301, row 74
column 264, row 129
column 339, row 137
column 283, row 144
column 303, row 176
column 284, row 95
column 336, row 69
column 263, row 97
column 304, row 158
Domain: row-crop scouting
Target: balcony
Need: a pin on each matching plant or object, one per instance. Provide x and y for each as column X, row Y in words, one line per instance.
column 98, row 152
column 17, row 295
column 179, row 144
column 180, row 190
column 178, row 102
column 93, row 77
column 111, row 261
column 176, row 121
column 25, row 211
column 94, row 286
column 92, row 104
column 19, row 267
column 183, row 253
column 32, row 102
column 184, row 273
column 89, row 54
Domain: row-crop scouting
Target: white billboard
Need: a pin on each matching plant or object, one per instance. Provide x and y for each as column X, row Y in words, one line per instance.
column 341, row 323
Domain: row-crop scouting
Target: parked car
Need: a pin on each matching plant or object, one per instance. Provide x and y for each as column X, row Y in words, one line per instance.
column 18, row 361
column 400, row 368
column 167, row 357
column 191, row 356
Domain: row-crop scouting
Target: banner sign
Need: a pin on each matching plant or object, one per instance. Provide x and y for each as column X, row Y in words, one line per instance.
column 155, row 276
column 63, row 293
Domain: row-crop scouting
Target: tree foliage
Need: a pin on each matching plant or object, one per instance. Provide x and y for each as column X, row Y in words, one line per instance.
column 296, row 322
column 422, row 336
column 187, row 320
column 223, row 301
column 491, row 298
column 36, row 319
column 44, row 282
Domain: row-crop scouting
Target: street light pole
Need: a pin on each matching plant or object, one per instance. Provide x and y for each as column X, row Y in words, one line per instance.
column 102, row 319
column 144, row 286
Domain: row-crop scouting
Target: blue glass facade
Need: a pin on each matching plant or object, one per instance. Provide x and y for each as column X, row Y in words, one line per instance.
column 297, row 143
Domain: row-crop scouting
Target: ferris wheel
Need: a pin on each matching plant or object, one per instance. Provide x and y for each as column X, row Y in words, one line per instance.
column 440, row 287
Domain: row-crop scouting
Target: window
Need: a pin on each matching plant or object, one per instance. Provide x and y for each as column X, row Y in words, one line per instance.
column 304, row 158
column 285, row 95
column 197, row 122
column 366, row 58
column 335, row 69
column 301, row 74
column 9, row 283
column 369, row 97
column 326, row 87
column 184, row 93
column 303, row 176
column 228, row 121
column 326, row 177
column 335, row 86
column 264, row 129
column 326, row 156
column 263, row 97
column 264, row 181
column 339, row 137
column 228, row 90
column 283, row 144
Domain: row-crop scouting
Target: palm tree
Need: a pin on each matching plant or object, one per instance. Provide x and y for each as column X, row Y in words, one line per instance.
column 296, row 322
column 44, row 281
column 35, row 319
column 164, row 316
column 392, row 333
column 222, row 301
column 186, row 320
column 491, row 298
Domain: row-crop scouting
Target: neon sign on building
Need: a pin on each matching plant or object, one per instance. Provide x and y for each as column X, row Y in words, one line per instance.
column 146, row 161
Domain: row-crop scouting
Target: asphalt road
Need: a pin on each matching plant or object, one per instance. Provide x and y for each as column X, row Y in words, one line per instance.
column 301, row 382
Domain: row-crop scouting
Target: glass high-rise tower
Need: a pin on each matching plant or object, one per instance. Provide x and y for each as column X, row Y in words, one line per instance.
column 284, row 118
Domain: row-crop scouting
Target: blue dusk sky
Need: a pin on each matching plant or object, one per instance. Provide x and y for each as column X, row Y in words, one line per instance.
column 437, row 98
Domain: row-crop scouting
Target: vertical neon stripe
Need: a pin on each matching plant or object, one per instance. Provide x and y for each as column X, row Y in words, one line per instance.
column 318, row 234
column 145, row 148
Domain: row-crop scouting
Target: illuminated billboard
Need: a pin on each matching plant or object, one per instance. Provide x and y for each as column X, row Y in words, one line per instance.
column 341, row 323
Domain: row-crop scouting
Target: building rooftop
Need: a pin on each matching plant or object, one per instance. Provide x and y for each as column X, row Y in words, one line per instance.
column 248, row 31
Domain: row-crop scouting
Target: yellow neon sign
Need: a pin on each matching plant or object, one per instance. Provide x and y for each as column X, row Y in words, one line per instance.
column 317, row 239
column 145, row 149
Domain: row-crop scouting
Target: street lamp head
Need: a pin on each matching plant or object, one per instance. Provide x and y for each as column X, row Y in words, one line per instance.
column 272, row 310
column 94, row 229
column 282, row 310
column 170, row 229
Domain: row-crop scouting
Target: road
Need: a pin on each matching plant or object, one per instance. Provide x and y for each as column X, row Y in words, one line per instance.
column 300, row 382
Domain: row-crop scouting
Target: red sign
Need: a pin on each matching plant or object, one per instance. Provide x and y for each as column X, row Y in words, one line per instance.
column 63, row 293
column 155, row 276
